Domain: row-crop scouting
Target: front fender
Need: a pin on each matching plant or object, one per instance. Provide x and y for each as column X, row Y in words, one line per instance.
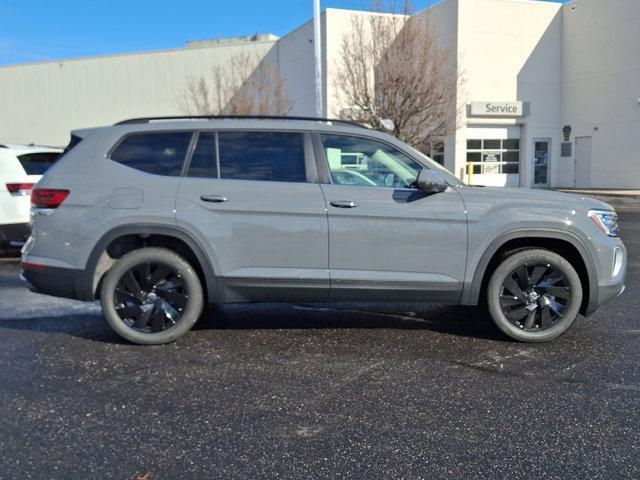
column 476, row 271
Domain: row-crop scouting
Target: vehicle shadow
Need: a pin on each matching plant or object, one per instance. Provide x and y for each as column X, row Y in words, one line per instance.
column 451, row 320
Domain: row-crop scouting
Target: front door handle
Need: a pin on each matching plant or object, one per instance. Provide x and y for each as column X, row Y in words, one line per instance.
column 344, row 204
column 214, row 198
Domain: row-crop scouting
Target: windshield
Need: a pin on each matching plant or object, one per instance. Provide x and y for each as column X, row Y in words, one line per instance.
column 448, row 176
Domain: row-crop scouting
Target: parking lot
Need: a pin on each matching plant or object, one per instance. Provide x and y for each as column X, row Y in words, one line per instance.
column 319, row 391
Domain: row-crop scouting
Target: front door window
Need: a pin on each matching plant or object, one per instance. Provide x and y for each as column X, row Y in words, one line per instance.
column 360, row 161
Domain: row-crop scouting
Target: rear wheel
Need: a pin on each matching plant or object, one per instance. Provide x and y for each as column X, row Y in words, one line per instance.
column 151, row 296
column 534, row 295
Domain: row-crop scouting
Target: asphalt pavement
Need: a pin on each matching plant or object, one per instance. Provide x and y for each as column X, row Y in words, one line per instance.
column 309, row 391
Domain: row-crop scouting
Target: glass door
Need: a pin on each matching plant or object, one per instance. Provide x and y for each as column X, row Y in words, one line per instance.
column 541, row 162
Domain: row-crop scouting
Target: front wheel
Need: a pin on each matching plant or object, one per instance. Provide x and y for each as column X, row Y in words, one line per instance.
column 151, row 296
column 534, row 295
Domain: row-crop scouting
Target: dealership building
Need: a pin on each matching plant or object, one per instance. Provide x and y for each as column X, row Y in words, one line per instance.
column 551, row 96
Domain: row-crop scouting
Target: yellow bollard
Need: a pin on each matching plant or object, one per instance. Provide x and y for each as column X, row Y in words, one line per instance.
column 470, row 173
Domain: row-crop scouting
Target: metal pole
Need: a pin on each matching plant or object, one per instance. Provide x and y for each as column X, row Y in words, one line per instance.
column 317, row 44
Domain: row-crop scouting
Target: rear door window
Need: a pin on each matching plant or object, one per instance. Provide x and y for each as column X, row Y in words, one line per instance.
column 203, row 161
column 262, row 156
column 159, row 153
column 37, row 163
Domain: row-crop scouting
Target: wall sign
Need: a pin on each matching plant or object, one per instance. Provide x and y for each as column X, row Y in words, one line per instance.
column 565, row 149
column 497, row 109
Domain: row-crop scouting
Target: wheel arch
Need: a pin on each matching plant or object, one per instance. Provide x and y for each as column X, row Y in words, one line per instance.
column 563, row 243
column 127, row 238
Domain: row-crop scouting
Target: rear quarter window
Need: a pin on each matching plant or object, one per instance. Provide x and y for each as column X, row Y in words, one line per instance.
column 37, row 163
column 159, row 153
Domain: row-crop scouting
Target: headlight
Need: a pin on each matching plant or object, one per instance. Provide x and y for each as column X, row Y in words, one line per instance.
column 606, row 220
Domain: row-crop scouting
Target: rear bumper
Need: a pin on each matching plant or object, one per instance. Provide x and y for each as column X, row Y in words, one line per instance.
column 13, row 235
column 58, row 282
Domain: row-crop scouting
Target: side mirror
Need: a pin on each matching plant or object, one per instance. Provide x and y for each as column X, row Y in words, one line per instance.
column 430, row 181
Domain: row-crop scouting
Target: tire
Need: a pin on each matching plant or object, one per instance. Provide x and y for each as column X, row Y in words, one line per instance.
column 534, row 295
column 149, row 310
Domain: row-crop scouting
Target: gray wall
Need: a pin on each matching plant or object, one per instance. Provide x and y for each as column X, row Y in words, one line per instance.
column 42, row 102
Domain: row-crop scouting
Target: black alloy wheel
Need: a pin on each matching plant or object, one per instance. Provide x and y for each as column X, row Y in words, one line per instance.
column 151, row 297
column 535, row 296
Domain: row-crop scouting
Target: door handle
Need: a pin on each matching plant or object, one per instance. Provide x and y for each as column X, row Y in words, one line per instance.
column 344, row 204
column 214, row 198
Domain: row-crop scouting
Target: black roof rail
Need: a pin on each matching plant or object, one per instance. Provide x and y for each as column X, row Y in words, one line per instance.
column 236, row 117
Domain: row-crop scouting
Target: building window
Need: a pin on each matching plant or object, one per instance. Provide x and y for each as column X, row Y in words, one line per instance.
column 494, row 156
column 437, row 152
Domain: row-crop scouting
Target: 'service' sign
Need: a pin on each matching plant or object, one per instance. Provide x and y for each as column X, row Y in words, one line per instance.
column 497, row 109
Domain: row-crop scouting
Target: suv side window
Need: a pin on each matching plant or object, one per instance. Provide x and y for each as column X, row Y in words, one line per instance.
column 160, row 153
column 37, row 163
column 203, row 160
column 264, row 156
column 364, row 162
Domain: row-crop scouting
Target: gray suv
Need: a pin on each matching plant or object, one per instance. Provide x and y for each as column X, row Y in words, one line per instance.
column 159, row 217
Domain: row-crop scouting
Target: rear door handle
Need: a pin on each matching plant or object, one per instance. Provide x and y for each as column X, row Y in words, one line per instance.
column 214, row 198
column 344, row 204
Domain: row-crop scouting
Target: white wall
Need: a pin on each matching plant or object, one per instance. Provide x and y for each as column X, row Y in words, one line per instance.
column 601, row 88
column 42, row 102
column 443, row 18
column 297, row 65
column 338, row 25
column 511, row 50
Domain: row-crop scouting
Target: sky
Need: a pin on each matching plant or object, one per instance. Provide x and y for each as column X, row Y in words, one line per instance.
column 41, row 30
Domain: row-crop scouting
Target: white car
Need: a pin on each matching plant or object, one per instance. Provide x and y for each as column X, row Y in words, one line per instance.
column 21, row 167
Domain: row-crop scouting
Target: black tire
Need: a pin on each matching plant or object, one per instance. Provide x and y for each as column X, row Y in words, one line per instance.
column 152, row 310
column 534, row 295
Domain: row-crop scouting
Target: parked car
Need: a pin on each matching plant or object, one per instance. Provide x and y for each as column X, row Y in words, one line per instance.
column 157, row 217
column 21, row 167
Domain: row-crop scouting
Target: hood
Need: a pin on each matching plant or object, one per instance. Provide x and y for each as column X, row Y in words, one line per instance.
column 572, row 200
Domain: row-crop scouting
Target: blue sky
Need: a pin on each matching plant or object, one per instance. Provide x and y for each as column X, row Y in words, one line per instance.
column 38, row 30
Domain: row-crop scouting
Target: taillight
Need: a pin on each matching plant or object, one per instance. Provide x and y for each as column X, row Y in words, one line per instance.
column 19, row 189
column 48, row 197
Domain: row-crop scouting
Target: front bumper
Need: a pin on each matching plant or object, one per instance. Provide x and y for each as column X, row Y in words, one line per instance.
column 606, row 293
column 13, row 235
column 613, row 286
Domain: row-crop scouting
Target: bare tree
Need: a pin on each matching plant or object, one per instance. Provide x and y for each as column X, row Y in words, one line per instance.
column 244, row 85
column 394, row 66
